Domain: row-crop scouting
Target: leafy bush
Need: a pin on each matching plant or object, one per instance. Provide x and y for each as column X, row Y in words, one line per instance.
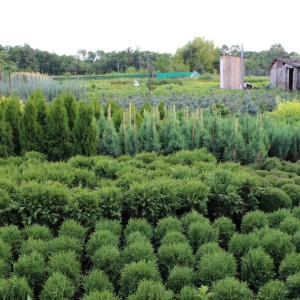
column 37, row 231
column 191, row 217
column 141, row 225
column 165, row 225
column 273, row 199
column 133, row 273
column 71, row 228
column 289, row 265
column 272, row 290
column 97, row 295
column 137, row 251
column 257, row 268
column 200, row 233
column 64, row 243
column 173, row 237
column 293, row 285
column 254, row 220
column 226, row 229
column 33, row 268
column 108, row 259
column 147, row 289
column 99, row 239
column 179, row 277
column 215, row 266
column 97, row 280
column 277, row 216
column 168, row 256
column 231, row 289
column 107, row 224
column 58, row 287
column 206, row 249
column 278, row 244
column 15, row 288
column 66, row 263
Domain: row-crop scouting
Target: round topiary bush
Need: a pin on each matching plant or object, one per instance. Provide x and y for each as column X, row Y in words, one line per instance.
column 226, row 229
column 254, row 220
column 257, row 268
column 271, row 163
column 293, row 285
column 37, row 232
column 148, row 289
column 273, row 199
column 293, row 190
column 4, row 268
column 5, row 251
column 114, row 226
column 71, row 228
column 290, row 225
column 179, row 277
column 11, row 235
column 272, row 290
column 97, row 295
column 141, row 225
column 32, row 245
column 97, row 280
column 191, row 217
column 135, row 237
column 206, row 249
column 230, row 288
column 188, row 293
column 276, row 217
column 289, row 265
column 173, row 237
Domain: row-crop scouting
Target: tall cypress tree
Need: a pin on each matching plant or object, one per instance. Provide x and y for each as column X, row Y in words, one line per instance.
column 57, row 131
column 85, row 131
column 6, row 137
column 12, row 115
column 71, row 107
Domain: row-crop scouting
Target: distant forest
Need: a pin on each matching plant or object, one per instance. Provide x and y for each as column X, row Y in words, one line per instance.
column 197, row 55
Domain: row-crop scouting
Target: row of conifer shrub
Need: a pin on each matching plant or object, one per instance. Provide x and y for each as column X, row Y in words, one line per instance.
column 94, row 227
column 65, row 127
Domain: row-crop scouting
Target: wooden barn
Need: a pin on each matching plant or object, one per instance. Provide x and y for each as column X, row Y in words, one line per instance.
column 232, row 72
column 285, row 73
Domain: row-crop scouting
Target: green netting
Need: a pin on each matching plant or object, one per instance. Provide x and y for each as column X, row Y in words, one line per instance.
column 173, row 74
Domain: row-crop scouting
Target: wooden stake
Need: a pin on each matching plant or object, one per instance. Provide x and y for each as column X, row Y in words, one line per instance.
column 236, row 125
column 124, row 120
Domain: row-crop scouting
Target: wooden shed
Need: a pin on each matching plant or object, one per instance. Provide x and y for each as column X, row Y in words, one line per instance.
column 285, row 73
column 232, row 72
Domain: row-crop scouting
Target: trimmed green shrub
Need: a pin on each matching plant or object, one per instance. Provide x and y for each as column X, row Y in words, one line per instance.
column 71, row 228
column 282, row 181
column 97, row 280
column 114, row 226
column 4, row 268
column 293, row 285
column 83, row 178
column 191, row 217
column 37, row 232
column 206, row 249
column 133, row 273
column 6, row 204
column 11, row 235
column 168, row 256
column 106, row 167
column 66, row 263
column 273, row 199
column 135, row 236
column 257, row 268
column 58, row 287
column 99, row 239
column 165, row 225
column 276, row 217
column 200, row 233
column 254, row 220
column 136, row 251
column 289, row 265
column 97, row 295
column 173, row 237
column 108, row 259
column 271, row 163
column 15, row 288
column 141, row 225
column 278, row 244
column 5, row 251
column 296, row 212
column 82, row 162
column 192, row 194
column 188, row 293
column 64, row 243
column 215, row 266
column 179, row 277
column 226, row 229
column 293, row 191
column 33, row 245
column 290, row 225
column 272, row 290
column 33, row 268
column 231, row 289
column 240, row 244
column 296, row 241
column 150, row 290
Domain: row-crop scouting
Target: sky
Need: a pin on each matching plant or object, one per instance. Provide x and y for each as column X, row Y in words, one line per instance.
column 64, row 26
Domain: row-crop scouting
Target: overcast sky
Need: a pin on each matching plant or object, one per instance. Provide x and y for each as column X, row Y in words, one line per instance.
column 65, row 26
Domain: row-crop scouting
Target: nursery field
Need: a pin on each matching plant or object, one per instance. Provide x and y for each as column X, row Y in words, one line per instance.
column 172, row 190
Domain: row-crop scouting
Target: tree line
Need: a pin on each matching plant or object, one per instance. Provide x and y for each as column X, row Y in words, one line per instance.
column 197, row 55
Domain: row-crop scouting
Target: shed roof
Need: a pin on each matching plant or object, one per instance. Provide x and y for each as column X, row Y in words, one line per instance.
column 291, row 61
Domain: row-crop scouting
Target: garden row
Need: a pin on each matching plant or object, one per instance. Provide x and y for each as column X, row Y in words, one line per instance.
column 65, row 128
column 148, row 227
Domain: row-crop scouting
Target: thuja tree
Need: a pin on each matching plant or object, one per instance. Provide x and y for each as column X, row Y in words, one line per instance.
column 170, row 135
column 71, row 107
column 84, row 131
column 6, row 138
column 57, row 131
column 128, row 136
column 148, row 138
column 12, row 115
